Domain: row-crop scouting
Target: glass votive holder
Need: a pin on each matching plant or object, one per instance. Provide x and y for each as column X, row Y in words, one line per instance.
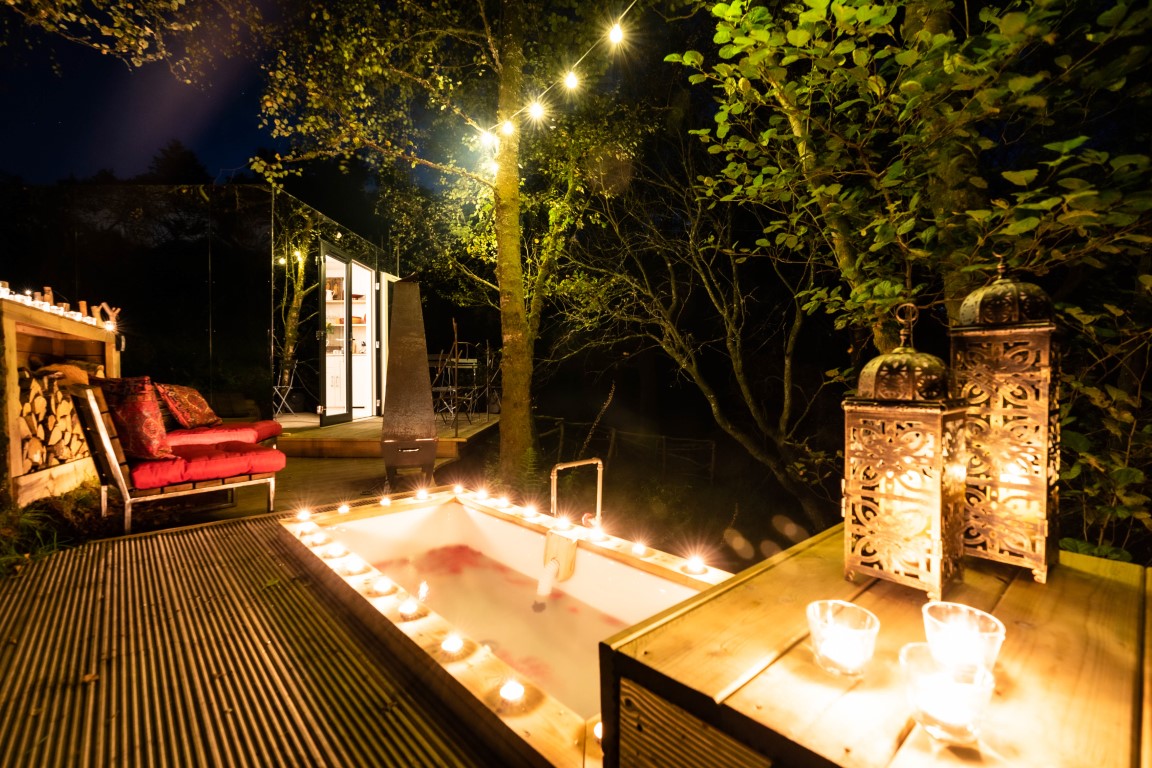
column 962, row 636
column 947, row 700
column 843, row 635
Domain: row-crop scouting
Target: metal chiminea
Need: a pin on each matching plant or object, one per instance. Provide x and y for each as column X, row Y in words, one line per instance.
column 408, row 437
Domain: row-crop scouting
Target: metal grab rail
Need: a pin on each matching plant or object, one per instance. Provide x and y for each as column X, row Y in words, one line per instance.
column 599, row 481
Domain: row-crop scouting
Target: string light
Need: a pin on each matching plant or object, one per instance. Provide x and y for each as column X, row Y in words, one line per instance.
column 571, row 81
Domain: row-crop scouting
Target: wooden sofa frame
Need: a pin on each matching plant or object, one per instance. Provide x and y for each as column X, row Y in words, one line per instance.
column 112, row 465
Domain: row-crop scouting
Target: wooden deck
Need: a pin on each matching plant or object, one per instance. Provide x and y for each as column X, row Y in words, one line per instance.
column 303, row 436
column 203, row 646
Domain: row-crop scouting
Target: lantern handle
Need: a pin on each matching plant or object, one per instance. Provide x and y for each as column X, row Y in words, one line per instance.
column 906, row 315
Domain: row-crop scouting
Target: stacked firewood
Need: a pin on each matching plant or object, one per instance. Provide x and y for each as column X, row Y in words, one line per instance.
column 50, row 429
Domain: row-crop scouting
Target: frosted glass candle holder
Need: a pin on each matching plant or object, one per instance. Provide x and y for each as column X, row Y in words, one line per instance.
column 843, row 635
column 947, row 700
column 962, row 636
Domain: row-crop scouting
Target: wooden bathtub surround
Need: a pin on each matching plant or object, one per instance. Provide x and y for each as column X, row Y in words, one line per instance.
column 114, row 467
column 729, row 679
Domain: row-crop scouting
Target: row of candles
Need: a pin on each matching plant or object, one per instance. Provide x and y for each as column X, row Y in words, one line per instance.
column 27, row 299
column 948, row 679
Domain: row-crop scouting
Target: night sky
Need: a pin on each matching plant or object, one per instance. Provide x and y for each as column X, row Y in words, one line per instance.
column 101, row 114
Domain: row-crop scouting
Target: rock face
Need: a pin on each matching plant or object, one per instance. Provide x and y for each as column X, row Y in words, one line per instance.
column 408, row 436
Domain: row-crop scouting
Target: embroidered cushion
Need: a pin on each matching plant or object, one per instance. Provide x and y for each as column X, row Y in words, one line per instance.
column 136, row 414
column 188, row 406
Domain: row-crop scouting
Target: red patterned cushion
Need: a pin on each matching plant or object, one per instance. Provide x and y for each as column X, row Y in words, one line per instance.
column 136, row 414
column 188, row 406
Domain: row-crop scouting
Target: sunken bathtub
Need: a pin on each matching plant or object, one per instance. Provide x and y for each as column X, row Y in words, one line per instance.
column 497, row 609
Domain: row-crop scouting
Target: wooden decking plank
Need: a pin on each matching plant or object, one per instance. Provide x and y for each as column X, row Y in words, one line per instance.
column 202, row 646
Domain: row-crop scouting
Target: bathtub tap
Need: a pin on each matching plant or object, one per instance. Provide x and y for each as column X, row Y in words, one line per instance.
column 599, row 482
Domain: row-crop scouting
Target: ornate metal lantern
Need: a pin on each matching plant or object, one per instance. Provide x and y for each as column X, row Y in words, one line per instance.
column 1003, row 361
column 904, row 461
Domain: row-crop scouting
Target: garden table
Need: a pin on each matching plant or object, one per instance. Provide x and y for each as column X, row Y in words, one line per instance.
column 729, row 677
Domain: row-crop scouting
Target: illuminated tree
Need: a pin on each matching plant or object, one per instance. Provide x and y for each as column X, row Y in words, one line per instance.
column 444, row 89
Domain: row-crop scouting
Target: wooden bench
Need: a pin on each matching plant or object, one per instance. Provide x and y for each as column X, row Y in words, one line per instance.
column 116, row 470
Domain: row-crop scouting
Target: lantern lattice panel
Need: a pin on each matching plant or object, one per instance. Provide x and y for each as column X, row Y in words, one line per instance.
column 904, row 492
column 1006, row 375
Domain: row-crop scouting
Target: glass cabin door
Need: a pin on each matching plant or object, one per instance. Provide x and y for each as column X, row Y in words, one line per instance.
column 335, row 384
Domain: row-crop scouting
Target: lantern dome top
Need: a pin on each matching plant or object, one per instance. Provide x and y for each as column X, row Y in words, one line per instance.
column 1006, row 302
column 904, row 373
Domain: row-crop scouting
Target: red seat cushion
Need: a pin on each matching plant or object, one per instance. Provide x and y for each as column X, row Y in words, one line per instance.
column 239, row 431
column 194, row 463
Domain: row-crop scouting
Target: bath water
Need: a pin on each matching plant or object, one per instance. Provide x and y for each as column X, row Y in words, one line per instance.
column 557, row 649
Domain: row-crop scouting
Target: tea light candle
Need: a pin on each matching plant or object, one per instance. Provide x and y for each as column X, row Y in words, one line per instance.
column 843, row 635
column 961, row 635
column 512, row 691
column 452, row 644
column 947, row 701
column 410, row 608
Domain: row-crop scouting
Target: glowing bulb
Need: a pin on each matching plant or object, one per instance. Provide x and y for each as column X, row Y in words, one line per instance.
column 385, row 501
column 512, row 691
column 383, row 586
column 507, row 127
column 616, row 34
column 563, row 524
column 297, row 254
column 306, row 528
column 598, row 731
column 334, row 551
column 452, row 644
column 343, row 509
column 529, row 511
column 109, row 325
column 457, row 489
column 482, row 494
column 536, row 110
column 493, row 167
column 639, row 549
column 502, row 502
column 304, row 515
column 422, row 592
column 422, row 494
column 282, row 261
column 410, row 608
column 571, row 81
column 488, row 139
column 596, row 532
column 354, row 565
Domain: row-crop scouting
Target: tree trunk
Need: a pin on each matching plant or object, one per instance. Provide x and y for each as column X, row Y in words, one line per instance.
column 517, row 357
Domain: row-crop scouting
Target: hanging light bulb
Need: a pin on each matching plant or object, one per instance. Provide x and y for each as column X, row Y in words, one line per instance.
column 536, row 110
column 571, row 81
column 616, row 34
column 488, row 139
column 507, row 128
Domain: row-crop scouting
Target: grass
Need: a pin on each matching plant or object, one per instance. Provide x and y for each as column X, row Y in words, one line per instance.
column 48, row 525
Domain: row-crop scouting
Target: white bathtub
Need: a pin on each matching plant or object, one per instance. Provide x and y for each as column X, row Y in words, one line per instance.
column 606, row 575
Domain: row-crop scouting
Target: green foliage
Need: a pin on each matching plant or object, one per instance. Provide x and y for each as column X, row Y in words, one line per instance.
column 190, row 37
column 901, row 152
